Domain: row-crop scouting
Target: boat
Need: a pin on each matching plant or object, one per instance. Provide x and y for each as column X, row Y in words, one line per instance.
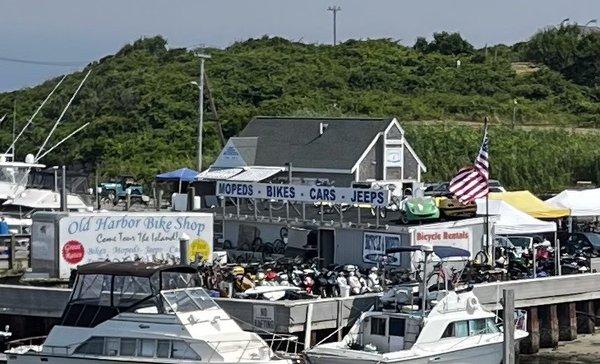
column 455, row 329
column 138, row 312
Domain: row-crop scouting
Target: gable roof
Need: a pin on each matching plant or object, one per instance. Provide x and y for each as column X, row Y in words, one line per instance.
column 297, row 140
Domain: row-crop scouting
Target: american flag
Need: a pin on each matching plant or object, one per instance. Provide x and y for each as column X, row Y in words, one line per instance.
column 472, row 182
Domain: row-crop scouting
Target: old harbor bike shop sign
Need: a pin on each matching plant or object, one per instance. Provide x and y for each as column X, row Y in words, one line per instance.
column 93, row 237
column 305, row 193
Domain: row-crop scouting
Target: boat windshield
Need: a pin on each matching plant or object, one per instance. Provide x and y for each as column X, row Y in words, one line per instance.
column 188, row 300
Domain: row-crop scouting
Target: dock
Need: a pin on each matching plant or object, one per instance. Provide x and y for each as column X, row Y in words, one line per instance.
column 558, row 309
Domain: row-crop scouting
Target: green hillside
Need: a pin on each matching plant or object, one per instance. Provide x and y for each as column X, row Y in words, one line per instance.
column 143, row 110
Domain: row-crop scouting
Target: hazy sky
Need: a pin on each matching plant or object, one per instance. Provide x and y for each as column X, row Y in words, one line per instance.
column 79, row 31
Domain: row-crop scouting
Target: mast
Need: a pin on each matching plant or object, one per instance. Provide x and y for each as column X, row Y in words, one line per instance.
column 37, row 156
column 34, row 115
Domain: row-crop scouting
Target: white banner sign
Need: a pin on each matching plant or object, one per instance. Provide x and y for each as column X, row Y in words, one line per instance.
column 455, row 237
column 93, row 237
column 304, row 193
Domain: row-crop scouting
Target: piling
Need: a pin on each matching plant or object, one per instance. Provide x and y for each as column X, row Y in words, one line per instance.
column 191, row 193
column 127, row 200
column 531, row 344
column 508, row 319
column 63, row 192
column 585, row 317
column 184, row 242
column 12, row 265
column 159, row 199
column 340, row 319
column 567, row 321
column 548, row 326
column 308, row 327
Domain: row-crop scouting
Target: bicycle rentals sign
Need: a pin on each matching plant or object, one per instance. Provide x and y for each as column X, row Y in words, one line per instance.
column 305, row 193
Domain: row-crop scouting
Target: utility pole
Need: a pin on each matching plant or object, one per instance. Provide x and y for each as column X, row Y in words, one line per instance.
column 334, row 9
column 202, row 57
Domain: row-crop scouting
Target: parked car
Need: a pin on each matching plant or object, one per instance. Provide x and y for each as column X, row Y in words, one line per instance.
column 442, row 189
column 496, row 186
column 579, row 240
column 116, row 190
column 438, row 190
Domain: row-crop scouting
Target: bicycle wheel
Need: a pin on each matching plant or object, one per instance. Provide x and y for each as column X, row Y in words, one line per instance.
column 257, row 244
column 283, row 232
column 278, row 246
column 268, row 248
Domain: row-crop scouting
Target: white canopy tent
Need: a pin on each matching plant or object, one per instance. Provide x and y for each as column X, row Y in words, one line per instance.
column 582, row 203
column 513, row 221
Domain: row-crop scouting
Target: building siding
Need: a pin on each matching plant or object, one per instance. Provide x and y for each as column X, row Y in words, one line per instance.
column 394, row 133
column 337, row 179
column 394, row 173
column 369, row 166
column 411, row 166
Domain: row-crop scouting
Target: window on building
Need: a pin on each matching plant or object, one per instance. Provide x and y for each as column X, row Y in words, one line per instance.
column 93, row 346
column 397, row 326
column 378, row 326
column 128, row 347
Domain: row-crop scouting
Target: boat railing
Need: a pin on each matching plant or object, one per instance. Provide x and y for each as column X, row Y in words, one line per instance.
column 278, row 346
column 39, row 340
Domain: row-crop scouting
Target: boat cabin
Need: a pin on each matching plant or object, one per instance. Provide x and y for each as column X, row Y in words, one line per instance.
column 102, row 290
column 388, row 331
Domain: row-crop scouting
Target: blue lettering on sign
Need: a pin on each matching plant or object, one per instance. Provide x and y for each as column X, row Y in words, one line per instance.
column 372, row 197
column 322, row 194
column 235, row 189
column 281, row 192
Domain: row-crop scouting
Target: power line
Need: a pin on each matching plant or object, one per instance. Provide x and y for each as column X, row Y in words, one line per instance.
column 42, row 63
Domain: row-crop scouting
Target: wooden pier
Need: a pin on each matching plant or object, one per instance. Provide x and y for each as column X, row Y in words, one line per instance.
column 558, row 309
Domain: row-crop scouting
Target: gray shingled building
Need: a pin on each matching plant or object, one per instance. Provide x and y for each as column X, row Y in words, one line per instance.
column 338, row 150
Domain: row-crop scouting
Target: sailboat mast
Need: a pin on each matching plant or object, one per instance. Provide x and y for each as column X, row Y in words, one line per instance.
column 13, row 126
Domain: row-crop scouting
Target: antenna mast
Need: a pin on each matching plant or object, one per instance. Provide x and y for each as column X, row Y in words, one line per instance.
column 37, row 156
column 34, row 114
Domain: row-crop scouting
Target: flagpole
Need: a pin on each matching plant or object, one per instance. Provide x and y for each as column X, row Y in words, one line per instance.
column 487, row 196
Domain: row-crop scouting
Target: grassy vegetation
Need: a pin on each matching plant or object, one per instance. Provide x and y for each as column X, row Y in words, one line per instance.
column 143, row 109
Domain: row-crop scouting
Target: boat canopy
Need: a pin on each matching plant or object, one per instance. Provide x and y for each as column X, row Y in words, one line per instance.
column 136, row 269
column 102, row 290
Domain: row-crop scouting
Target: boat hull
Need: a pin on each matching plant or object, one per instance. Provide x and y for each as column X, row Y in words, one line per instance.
column 48, row 359
column 491, row 353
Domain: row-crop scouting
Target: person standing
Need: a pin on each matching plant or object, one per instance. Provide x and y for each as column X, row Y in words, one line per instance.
column 3, row 226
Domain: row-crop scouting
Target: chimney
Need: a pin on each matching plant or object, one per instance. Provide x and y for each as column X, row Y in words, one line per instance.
column 322, row 128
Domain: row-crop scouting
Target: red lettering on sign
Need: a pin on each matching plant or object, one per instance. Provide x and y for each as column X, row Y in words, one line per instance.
column 73, row 252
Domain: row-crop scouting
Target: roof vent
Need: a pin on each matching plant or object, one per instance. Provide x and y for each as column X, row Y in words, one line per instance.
column 322, row 128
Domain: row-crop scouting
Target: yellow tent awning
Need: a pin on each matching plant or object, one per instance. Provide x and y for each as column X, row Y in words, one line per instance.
column 528, row 203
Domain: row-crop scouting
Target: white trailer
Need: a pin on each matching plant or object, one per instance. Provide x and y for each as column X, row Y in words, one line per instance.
column 62, row 241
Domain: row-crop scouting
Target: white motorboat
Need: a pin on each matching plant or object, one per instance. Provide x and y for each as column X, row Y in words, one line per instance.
column 144, row 313
column 456, row 329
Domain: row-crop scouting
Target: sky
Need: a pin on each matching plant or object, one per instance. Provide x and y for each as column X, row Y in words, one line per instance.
column 74, row 32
